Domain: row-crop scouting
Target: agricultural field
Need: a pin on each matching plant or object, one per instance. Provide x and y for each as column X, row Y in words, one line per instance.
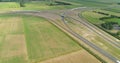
column 75, row 57
column 34, row 31
column 37, row 40
column 12, row 40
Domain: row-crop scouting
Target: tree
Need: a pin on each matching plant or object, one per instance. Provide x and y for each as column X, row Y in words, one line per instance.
column 22, row 3
column 108, row 25
column 51, row 2
column 118, row 33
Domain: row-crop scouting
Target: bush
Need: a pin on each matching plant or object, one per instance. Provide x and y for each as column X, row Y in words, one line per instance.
column 62, row 3
column 118, row 33
column 113, row 34
column 118, row 3
column 108, row 25
column 22, row 4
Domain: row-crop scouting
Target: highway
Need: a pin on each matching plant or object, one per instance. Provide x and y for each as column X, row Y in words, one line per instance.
column 103, row 52
column 50, row 17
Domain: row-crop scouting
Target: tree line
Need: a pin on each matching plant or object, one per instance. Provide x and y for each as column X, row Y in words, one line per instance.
column 109, row 17
column 101, row 13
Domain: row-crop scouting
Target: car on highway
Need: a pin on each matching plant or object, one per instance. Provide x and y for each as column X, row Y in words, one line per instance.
column 118, row 61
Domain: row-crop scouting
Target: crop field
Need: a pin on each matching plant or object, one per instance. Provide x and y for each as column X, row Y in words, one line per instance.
column 75, row 57
column 12, row 40
column 92, row 37
column 26, row 39
column 33, row 31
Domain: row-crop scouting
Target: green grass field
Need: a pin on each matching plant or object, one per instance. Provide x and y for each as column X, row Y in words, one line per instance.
column 48, row 41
